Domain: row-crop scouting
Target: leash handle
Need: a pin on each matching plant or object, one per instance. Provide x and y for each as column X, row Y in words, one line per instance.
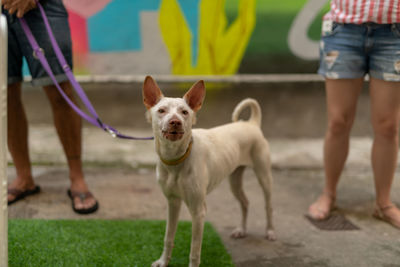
column 39, row 54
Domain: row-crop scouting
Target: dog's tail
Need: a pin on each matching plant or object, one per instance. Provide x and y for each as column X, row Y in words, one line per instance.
column 255, row 116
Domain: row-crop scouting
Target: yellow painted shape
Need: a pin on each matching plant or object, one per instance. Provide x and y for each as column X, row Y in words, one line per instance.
column 220, row 48
column 176, row 35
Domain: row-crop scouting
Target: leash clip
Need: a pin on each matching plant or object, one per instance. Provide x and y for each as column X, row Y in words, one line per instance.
column 110, row 131
column 66, row 67
column 36, row 51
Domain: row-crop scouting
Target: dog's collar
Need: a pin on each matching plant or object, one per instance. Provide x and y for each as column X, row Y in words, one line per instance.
column 178, row 160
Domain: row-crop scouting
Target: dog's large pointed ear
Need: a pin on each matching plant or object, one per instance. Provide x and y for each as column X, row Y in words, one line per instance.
column 195, row 96
column 151, row 92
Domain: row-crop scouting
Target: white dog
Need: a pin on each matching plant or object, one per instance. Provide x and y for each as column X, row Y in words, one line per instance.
column 193, row 162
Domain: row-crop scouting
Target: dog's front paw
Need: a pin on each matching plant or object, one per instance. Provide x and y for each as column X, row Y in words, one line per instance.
column 238, row 233
column 159, row 263
column 270, row 235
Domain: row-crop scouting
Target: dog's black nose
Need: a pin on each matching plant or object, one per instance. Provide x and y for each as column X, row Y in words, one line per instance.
column 175, row 122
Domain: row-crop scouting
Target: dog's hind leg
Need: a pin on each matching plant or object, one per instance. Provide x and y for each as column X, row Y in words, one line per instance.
column 236, row 182
column 262, row 169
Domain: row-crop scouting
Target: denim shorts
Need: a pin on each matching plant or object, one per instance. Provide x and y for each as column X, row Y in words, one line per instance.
column 351, row 51
column 19, row 47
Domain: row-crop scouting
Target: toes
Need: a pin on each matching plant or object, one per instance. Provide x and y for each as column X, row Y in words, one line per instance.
column 238, row 233
column 10, row 197
column 392, row 216
column 321, row 208
column 86, row 204
column 270, row 235
column 316, row 213
column 313, row 213
column 78, row 204
column 159, row 263
column 89, row 203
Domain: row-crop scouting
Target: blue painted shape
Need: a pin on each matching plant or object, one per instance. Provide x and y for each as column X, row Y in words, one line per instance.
column 190, row 9
column 117, row 26
column 25, row 68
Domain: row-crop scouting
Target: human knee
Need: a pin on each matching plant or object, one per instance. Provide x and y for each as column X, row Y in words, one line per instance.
column 387, row 128
column 57, row 99
column 339, row 125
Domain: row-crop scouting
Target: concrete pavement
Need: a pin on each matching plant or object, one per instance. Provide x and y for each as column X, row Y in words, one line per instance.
column 121, row 175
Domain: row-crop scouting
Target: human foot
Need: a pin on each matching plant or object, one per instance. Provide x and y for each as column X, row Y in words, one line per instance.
column 389, row 214
column 21, row 188
column 321, row 209
column 83, row 201
column 16, row 194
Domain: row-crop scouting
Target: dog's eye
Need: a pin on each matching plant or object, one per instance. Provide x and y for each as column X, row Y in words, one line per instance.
column 185, row 112
column 161, row 111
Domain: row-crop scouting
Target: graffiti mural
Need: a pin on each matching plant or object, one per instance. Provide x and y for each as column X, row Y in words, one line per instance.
column 117, row 37
column 299, row 42
column 206, row 45
column 189, row 37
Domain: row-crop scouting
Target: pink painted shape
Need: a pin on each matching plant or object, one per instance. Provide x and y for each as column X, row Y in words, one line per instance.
column 79, row 34
column 86, row 8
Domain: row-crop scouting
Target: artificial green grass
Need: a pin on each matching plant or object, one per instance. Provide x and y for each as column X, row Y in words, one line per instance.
column 105, row 243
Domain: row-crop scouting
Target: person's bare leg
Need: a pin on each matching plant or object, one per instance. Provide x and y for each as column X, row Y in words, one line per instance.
column 385, row 109
column 68, row 125
column 341, row 98
column 18, row 140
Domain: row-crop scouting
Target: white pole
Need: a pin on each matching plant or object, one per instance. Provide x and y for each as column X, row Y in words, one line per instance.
column 3, row 142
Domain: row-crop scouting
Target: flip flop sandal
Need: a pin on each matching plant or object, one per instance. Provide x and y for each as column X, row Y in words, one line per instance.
column 19, row 194
column 82, row 196
column 380, row 215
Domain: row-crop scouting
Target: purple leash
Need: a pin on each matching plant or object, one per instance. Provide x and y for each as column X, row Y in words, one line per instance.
column 38, row 53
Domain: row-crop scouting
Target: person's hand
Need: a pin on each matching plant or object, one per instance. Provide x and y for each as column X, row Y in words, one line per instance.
column 19, row 7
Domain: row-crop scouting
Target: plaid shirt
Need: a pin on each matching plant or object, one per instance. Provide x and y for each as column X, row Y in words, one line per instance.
column 361, row 11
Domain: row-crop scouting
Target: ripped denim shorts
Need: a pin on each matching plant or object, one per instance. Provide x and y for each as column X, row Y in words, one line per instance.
column 19, row 47
column 350, row 51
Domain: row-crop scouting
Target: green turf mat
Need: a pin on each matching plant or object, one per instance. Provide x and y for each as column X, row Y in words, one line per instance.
column 105, row 243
